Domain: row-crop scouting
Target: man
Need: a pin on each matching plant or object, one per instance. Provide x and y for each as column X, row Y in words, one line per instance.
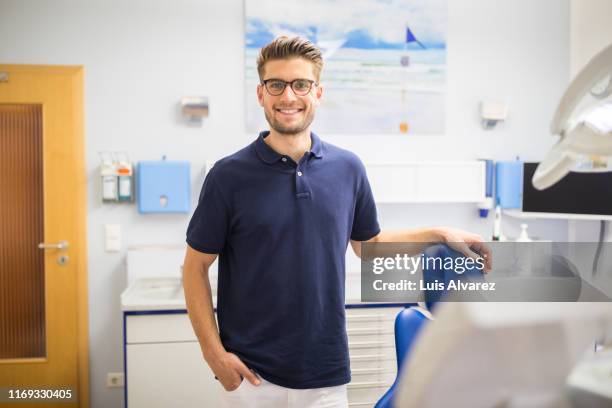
column 280, row 214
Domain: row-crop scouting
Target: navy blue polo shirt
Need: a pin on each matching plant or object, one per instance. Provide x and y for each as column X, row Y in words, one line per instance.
column 281, row 230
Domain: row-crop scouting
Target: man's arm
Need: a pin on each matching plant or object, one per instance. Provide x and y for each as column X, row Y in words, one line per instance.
column 228, row 368
column 462, row 241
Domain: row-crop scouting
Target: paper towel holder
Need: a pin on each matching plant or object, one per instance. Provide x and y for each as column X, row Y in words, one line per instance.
column 194, row 108
column 492, row 113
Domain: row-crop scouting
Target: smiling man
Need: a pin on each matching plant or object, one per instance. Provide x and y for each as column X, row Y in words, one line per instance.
column 280, row 214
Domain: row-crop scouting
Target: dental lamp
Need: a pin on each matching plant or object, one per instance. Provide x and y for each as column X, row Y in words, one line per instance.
column 583, row 120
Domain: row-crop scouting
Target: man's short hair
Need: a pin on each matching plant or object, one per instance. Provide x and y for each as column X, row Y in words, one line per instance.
column 284, row 47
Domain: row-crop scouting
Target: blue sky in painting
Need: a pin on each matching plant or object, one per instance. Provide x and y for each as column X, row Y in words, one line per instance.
column 361, row 24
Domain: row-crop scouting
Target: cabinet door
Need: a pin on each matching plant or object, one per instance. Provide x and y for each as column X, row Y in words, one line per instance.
column 170, row 375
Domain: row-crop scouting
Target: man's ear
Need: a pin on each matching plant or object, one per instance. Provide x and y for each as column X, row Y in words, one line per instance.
column 260, row 95
column 319, row 93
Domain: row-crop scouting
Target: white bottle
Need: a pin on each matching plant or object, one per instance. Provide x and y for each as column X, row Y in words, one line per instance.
column 497, row 224
column 523, row 237
column 109, row 182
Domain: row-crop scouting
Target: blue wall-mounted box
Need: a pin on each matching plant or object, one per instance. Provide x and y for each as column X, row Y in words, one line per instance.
column 163, row 187
column 509, row 184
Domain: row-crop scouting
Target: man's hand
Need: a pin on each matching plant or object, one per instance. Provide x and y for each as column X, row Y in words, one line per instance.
column 469, row 244
column 230, row 371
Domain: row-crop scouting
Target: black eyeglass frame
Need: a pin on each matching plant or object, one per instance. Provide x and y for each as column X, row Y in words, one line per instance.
column 285, row 83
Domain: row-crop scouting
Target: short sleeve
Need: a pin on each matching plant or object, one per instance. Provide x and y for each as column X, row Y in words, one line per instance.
column 208, row 228
column 365, row 220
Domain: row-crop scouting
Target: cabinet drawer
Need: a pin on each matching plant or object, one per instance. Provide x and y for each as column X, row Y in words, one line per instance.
column 373, row 311
column 371, row 318
column 368, row 404
column 368, row 375
column 159, row 328
column 374, row 360
column 367, row 392
column 360, row 348
column 385, row 334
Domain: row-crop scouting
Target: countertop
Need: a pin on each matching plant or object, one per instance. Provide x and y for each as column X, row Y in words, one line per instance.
column 150, row 294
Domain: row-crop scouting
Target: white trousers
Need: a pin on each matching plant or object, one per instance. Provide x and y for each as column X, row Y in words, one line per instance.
column 268, row 395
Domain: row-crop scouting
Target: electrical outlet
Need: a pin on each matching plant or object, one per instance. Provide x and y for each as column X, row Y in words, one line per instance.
column 114, row 380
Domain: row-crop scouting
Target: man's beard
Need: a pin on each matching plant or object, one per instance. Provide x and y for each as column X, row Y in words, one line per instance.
column 290, row 130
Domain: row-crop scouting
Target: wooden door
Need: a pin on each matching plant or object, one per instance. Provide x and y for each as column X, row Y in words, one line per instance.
column 43, row 275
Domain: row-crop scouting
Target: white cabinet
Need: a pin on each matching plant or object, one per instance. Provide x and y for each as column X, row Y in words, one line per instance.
column 169, row 374
column 428, row 182
column 165, row 367
column 372, row 352
column 164, row 364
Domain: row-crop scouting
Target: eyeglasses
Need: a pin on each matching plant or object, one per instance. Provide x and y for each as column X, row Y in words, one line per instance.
column 299, row 86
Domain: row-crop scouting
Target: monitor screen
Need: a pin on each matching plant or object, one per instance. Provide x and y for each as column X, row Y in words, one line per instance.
column 576, row 193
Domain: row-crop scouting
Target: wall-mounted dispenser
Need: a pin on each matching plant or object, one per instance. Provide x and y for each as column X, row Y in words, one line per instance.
column 163, row 186
column 125, row 175
column 509, row 184
column 194, row 108
column 117, row 177
column 492, row 113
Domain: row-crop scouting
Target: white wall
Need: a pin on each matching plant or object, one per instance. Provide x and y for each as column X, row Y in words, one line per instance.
column 142, row 56
column 590, row 31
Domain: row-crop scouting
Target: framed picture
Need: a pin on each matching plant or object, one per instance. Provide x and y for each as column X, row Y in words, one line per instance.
column 384, row 61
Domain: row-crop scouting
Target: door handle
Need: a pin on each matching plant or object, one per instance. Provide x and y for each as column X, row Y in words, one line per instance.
column 62, row 245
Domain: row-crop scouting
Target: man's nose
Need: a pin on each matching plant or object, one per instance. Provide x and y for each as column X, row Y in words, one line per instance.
column 288, row 94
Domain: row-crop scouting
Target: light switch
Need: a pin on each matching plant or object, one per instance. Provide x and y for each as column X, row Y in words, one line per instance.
column 112, row 237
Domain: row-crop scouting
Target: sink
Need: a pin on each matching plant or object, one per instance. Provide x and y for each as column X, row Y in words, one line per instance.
column 154, row 293
column 174, row 292
column 157, row 294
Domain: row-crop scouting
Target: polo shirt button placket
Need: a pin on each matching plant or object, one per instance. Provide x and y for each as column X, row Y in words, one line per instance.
column 300, row 184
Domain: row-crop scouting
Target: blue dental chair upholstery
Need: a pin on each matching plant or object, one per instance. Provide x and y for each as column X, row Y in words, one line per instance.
column 407, row 325
column 441, row 274
column 409, row 321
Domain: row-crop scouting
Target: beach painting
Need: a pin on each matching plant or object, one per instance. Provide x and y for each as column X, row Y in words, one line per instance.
column 385, row 61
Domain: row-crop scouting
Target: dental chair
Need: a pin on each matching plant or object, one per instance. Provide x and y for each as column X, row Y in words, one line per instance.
column 445, row 275
column 411, row 320
column 407, row 325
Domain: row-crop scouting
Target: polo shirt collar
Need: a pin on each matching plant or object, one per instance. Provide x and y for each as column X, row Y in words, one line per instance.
column 316, row 148
column 270, row 156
